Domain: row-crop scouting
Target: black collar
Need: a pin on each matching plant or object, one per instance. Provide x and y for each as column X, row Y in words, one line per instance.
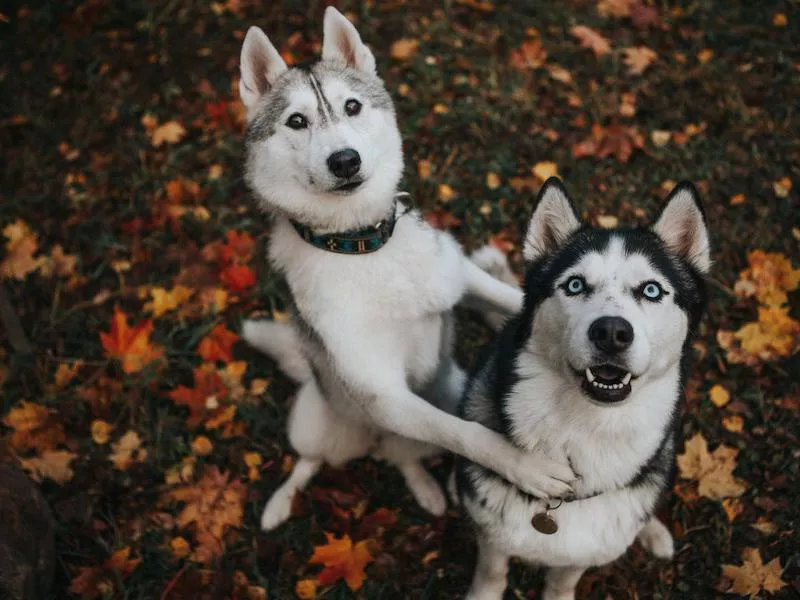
column 361, row 241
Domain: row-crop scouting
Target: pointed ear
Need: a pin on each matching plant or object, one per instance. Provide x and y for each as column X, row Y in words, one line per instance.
column 341, row 43
column 682, row 226
column 261, row 65
column 554, row 219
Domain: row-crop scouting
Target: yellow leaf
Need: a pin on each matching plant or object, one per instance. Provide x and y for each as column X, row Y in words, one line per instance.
column 20, row 248
column 782, row 187
column 164, row 301
column 660, row 138
column 446, row 193
column 342, row 560
column 253, row 461
column 737, row 199
column 719, row 396
column 607, row 221
column 544, row 170
column 53, row 464
column 705, row 55
column 493, row 180
column 753, row 575
column 65, row 373
column 733, row 507
column 614, row 8
column 713, row 472
column 590, row 39
column 180, row 547
column 733, row 423
column 780, row 20
column 170, row 132
column 127, row 451
column 306, row 589
column 404, row 49
column 101, row 431
column 638, row 59
column 202, row 446
column 424, row 168
column 764, row 526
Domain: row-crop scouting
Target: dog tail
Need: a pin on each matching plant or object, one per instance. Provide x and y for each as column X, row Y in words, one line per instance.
column 495, row 263
column 281, row 342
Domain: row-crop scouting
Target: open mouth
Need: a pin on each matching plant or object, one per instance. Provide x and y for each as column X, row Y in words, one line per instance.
column 607, row 383
column 348, row 186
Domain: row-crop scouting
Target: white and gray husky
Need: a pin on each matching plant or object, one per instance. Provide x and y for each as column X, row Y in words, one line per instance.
column 591, row 371
column 373, row 286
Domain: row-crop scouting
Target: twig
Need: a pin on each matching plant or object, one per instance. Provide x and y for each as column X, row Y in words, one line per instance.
column 173, row 582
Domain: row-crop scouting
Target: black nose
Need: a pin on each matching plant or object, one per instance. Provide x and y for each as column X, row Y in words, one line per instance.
column 611, row 334
column 344, row 163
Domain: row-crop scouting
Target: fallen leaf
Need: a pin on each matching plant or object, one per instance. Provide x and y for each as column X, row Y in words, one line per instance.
column 238, row 278
column 607, row 221
column 737, row 199
column 719, row 396
column 202, row 446
column 713, row 472
column 58, row 263
column 530, row 55
column 764, row 526
column 590, row 39
column 20, row 248
column 424, row 168
column 218, row 345
column 131, row 346
column 544, row 170
column 774, row 336
column 638, row 59
column 753, row 575
column 100, row 581
column 101, row 431
column 65, row 373
column 705, row 55
column 180, row 547
column 493, row 181
column 616, row 140
column 442, row 219
column 202, row 399
column 253, row 462
column 212, row 507
column 164, row 301
column 446, row 193
column 34, row 428
column 170, row 132
column 733, row 507
column 342, row 560
column 404, row 49
column 127, row 451
column 782, row 187
column 52, row 464
column 780, row 20
column 614, row 8
column 306, row 589
column 733, row 423
column 660, row 138
column 769, row 277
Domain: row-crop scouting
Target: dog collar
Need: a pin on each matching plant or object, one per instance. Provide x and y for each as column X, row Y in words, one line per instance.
column 361, row 241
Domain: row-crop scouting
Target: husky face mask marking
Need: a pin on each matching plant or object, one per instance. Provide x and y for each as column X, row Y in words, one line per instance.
column 612, row 312
column 323, row 144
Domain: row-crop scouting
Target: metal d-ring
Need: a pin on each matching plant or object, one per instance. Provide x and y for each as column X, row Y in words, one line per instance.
column 560, row 502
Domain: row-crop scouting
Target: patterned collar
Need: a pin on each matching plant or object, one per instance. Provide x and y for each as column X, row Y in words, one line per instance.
column 361, row 241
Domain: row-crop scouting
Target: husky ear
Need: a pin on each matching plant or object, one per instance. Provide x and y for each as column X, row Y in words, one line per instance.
column 554, row 219
column 261, row 65
column 682, row 226
column 341, row 43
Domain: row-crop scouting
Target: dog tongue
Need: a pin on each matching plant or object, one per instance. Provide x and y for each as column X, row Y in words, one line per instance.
column 608, row 372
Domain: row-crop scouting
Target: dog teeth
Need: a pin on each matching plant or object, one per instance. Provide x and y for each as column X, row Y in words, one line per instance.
column 627, row 379
column 589, row 375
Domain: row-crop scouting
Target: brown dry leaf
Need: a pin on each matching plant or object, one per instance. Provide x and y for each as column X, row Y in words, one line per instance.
column 53, row 464
column 65, row 373
column 212, row 507
column 20, row 248
column 170, row 132
column 719, row 396
column 101, row 431
column 705, row 55
column 544, row 170
column 404, row 49
column 764, row 526
column 34, row 428
column 253, row 461
column 529, row 56
column 733, row 423
column 202, row 446
column 180, row 547
column 733, row 507
column 58, row 263
column 713, row 472
column 559, row 73
column 100, row 581
column 614, row 8
column 768, row 278
column 607, row 221
column 660, row 138
column 127, row 451
column 753, row 575
column 627, row 105
column 590, row 39
column 617, row 140
column 638, row 59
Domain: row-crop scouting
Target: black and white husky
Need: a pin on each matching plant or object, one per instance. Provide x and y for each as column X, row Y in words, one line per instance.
column 373, row 286
column 590, row 371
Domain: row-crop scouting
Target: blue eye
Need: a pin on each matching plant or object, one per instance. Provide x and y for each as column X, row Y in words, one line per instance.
column 575, row 285
column 652, row 291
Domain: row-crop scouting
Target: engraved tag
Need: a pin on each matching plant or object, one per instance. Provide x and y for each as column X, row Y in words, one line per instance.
column 544, row 523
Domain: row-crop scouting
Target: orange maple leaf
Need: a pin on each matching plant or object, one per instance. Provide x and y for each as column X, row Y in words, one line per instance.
column 203, row 398
column 530, row 55
column 132, row 346
column 99, row 581
column 238, row 278
column 218, row 345
column 619, row 140
column 342, row 560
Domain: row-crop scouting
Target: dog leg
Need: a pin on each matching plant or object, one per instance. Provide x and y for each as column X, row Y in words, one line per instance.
column 424, row 487
column 560, row 583
column 279, row 507
column 657, row 539
column 495, row 294
column 489, row 581
column 281, row 343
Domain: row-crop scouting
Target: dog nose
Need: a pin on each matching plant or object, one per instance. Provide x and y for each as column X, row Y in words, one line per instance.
column 611, row 334
column 344, row 163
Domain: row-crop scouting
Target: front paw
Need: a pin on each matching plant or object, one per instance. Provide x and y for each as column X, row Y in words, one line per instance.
column 542, row 477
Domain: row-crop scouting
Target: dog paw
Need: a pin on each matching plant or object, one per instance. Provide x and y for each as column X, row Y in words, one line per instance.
column 657, row 539
column 277, row 511
column 427, row 492
column 494, row 262
column 543, row 477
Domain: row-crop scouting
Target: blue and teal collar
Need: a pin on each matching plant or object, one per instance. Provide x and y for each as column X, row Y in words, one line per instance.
column 361, row 241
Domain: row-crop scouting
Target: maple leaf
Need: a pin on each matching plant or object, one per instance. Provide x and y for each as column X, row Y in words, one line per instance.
column 713, row 472
column 127, row 451
column 404, row 49
column 753, row 575
column 34, row 428
column 53, row 464
column 212, row 507
column 530, row 55
column 614, row 8
column 544, row 170
column 638, row 59
column 164, row 301
column 590, row 39
column 218, row 345
column 170, row 132
column 96, row 582
column 342, row 560
column 203, row 398
column 616, row 140
column 131, row 346
column 238, row 278
column 768, row 278
column 238, row 247
column 58, row 263
column 20, row 248
column 774, row 336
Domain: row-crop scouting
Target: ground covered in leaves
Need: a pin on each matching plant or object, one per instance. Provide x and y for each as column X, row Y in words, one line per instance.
column 131, row 251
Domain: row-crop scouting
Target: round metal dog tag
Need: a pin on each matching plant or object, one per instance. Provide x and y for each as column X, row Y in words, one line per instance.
column 544, row 523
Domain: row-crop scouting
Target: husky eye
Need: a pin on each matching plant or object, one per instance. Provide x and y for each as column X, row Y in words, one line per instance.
column 651, row 290
column 574, row 285
column 297, row 121
column 352, row 107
